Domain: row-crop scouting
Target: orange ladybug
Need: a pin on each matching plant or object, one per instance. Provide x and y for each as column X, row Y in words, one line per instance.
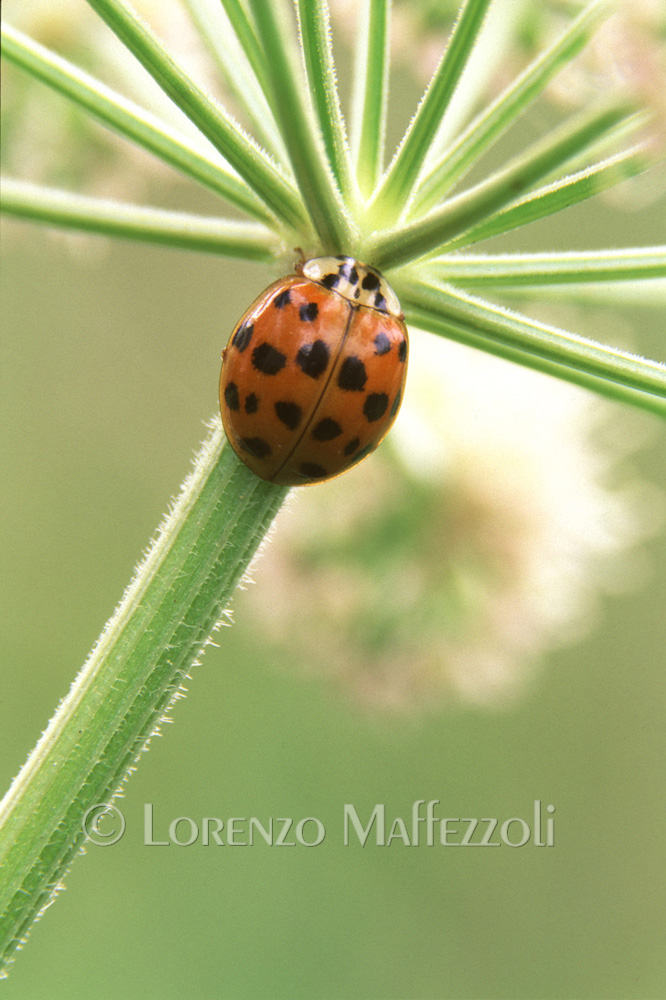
column 313, row 375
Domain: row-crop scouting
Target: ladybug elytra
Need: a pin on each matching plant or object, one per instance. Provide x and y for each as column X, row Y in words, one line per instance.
column 313, row 375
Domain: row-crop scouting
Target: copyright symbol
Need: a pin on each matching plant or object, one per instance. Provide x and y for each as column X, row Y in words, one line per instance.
column 112, row 819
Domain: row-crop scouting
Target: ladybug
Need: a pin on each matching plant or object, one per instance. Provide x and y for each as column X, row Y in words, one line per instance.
column 313, row 375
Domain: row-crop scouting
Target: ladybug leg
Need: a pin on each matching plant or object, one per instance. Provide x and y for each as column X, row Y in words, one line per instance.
column 298, row 264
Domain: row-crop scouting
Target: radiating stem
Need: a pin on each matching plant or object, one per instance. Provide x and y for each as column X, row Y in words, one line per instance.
column 422, row 132
column 320, row 71
column 572, row 139
column 242, row 153
column 370, row 97
column 493, row 121
column 509, row 270
column 128, row 119
column 468, row 218
column 305, row 146
column 248, row 240
column 615, row 373
column 239, row 67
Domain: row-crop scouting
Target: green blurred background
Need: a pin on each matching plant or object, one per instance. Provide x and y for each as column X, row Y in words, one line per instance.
column 111, row 361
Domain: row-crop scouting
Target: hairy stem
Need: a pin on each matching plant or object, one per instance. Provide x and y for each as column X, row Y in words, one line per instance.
column 132, row 676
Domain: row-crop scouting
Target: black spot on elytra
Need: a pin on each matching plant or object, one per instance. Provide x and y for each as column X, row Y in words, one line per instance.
column 382, row 343
column 330, row 280
column 363, row 452
column 351, row 446
column 326, row 429
column 289, row 413
column 308, row 312
column 370, row 281
column 242, row 336
column 396, row 405
column 375, row 406
column 352, row 376
column 312, row 471
column 256, row 446
column 231, row 395
column 402, row 350
column 348, row 271
column 282, row 298
column 312, row 358
column 267, row 360
column 251, row 403
column 380, row 301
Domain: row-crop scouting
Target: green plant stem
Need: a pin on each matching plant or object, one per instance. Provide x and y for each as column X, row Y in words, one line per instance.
column 513, row 101
column 247, row 36
column 422, row 132
column 503, row 270
column 128, row 119
column 472, row 321
column 370, row 93
column 240, row 69
column 320, row 70
column 604, row 295
column 463, row 220
column 245, row 240
column 225, row 134
column 304, row 144
column 557, row 196
column 134, row 673
column 494, row 48
column 572, row 139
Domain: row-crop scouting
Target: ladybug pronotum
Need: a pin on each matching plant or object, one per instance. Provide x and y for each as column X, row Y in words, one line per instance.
column 313, row 375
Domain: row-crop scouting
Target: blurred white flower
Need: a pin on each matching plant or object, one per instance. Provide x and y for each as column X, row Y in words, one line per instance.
column 480, row 536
